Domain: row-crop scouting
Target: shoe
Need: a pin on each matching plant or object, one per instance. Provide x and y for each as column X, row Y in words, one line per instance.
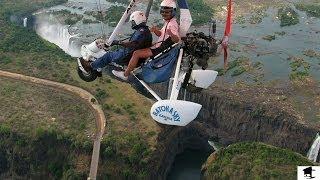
column 99, row 73
column 120, row 74
column 86, row 65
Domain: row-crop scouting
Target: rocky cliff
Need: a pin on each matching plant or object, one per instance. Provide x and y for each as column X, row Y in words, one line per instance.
column 228, row 119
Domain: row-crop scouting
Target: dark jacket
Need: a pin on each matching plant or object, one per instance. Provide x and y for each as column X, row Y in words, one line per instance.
column 140, row 39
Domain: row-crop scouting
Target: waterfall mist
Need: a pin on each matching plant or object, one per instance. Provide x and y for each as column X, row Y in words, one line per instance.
column 25, row 20
column 314, row 150
column 58, row 34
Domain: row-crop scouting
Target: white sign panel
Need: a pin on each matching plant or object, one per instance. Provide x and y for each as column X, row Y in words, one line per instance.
column 175, row 112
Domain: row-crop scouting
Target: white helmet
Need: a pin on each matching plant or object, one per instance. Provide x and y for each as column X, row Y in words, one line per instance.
column 137, row 17
column 168, row 3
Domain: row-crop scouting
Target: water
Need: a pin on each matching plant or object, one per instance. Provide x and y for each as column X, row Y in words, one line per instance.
column 314, row 150
column 247, row 38
column 25, row 20
column 187, row 166
column 70, row 38
column 213, row 145
column 58, row 34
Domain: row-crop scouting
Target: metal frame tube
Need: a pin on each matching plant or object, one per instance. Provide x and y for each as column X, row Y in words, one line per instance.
column 121, row 22
column 149, row 8
column 176, row 85
column 154, row 94
column 169, row 88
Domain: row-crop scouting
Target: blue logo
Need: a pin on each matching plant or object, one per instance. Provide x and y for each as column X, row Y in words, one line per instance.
column 167, row 113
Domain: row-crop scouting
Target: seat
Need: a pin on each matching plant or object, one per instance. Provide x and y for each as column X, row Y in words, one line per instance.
column 160, row 68
column 123, row 63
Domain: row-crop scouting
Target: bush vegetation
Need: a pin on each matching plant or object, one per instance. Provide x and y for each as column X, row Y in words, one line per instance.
column 126, row 2
column 53, row 109
column 114, row 13
column 89, row 21
column 239, row 65
column 311, row 9
column 156, row 5
column 311, row 53
column 34, row 156
column 269, row 37
column 111, row 16
column 129, row 150
column 68, row 17
column 252, row 160
column 299, row 69
column 101, row 94
column 201, row 12
column 72, row 20
column 257, row 16
column 288, row 16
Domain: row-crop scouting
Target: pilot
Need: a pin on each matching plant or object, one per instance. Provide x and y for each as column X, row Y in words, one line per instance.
column 141, row 38
column 168, row 35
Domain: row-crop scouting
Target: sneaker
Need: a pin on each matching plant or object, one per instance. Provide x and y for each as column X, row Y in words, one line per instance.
column 86, row 65
column 120, row 74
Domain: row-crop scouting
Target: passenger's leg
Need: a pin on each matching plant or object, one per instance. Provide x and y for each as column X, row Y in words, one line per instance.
column 106, row 59
column 138, row 54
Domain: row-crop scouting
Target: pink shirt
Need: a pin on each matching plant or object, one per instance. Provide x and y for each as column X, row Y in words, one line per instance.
column 171, row 24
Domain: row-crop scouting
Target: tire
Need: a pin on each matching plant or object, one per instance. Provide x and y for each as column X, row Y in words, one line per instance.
column 88, row 77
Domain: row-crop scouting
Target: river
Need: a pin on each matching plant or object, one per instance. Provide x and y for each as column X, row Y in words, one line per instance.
column 187, row 165
column 265, row 60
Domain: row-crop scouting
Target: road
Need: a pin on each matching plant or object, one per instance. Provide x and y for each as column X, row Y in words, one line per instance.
column 99, row 115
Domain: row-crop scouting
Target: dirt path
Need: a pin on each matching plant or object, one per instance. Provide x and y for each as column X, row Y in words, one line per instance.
column 100, row 118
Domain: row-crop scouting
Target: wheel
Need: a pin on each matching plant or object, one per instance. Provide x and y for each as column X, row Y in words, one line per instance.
column 88, row 77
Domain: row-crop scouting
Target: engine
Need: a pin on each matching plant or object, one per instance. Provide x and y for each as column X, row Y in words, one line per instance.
column 201, row 47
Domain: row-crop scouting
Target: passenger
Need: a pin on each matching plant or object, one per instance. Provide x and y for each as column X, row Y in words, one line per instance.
column 141, row 38
column 168, row 35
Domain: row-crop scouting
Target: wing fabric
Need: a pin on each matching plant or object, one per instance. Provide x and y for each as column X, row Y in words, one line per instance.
column 185, row 17
column 227, row 32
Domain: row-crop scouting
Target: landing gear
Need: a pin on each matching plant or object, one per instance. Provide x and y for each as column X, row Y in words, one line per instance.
column 87, row 76
column 90, row 76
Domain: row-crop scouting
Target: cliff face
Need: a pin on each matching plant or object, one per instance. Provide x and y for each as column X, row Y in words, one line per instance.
column 231, row 123
column 228, row 121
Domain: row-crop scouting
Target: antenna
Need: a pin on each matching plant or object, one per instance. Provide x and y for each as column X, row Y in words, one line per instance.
column 149, row 8
column 213, row 28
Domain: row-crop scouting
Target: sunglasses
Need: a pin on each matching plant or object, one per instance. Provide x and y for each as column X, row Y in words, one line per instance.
column 165, row 11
